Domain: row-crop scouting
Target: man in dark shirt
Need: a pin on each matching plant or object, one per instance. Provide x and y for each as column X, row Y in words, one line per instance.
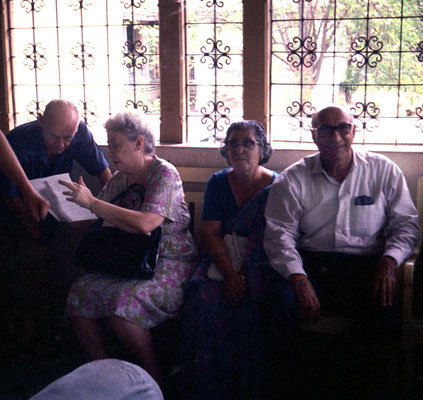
column 38, row 266
column 49, row 146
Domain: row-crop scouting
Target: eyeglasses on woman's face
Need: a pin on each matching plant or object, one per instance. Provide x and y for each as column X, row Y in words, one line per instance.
column 325, row 131
column 245, row 144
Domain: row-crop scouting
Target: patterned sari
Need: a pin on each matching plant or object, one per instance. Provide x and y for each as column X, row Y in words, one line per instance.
column 224, row 347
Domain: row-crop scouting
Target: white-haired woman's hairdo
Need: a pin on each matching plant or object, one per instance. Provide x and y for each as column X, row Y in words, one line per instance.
column 131, row 125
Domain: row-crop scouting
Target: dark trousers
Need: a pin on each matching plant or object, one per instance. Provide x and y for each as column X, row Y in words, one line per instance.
column 344, row 286
column 35, row 277
column 360, row 363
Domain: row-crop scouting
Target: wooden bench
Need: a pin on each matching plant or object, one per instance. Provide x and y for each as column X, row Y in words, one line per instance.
column 194, row 181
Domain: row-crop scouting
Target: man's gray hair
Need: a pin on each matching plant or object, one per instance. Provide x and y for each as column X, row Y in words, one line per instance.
column 131, row 125
column 59, row 105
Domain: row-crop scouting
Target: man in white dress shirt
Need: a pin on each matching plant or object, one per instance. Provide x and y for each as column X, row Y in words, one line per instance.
column 339, row 223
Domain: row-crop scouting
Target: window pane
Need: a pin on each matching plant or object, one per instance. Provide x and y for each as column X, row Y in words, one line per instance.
column 102, row 55
column 213, row 67
column 365, row 55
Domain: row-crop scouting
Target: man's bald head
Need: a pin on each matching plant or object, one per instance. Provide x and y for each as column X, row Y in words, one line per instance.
column 329, row 113
column 59, row 124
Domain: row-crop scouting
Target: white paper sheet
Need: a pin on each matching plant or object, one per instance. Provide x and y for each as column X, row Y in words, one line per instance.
column 61, row 209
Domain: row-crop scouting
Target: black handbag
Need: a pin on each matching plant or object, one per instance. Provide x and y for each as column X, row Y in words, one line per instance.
column 112, row 251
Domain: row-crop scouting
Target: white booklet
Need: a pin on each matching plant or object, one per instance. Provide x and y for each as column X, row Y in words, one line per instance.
column 61, row 209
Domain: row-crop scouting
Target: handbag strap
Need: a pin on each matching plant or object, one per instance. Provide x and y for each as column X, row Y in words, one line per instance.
column 119, row 198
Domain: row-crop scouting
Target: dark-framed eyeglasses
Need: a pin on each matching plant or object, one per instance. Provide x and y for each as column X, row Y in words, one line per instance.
column 246, row 144
column 327, row 130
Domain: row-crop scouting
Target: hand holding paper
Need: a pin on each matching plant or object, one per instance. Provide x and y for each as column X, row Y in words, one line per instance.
column 61, row 209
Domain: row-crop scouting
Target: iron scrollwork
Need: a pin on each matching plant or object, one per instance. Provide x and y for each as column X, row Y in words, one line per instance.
column 83, row 55
column 90, row 117
column 367, row 115
column 135, row 56
column 132, row 3
column 371, row 48
column 302, row 52
column 420, row 51
column 217, row 3
column 35, row 108
column 137, row 105
column 80, row 4
column 419, row 113
column 301, row 113
column 215, row 115
column 32, row 5
column 216, row 54
column 35, row 56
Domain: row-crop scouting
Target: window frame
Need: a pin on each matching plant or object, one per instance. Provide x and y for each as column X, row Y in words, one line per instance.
column 173, row 129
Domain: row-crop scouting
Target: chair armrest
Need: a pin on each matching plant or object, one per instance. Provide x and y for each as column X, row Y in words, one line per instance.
column 406, row 276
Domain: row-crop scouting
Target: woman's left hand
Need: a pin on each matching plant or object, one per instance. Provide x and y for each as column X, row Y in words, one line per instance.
column 235, row 288
column 79, row 193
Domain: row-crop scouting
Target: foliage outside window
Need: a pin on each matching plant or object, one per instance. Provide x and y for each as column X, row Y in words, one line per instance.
column 364, row 54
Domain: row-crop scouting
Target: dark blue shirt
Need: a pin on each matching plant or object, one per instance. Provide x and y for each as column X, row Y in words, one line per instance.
column 28, row 144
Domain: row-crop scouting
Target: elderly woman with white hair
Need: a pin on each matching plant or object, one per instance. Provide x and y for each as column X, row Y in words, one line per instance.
column 156, row 199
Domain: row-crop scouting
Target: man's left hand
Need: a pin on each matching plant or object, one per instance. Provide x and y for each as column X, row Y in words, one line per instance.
column 385, row 282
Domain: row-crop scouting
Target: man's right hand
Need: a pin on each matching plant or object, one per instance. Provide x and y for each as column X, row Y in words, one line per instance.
column 36, row 205
column 307, row 301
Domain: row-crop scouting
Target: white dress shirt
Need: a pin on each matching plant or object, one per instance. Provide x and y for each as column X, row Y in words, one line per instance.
column 370, row 212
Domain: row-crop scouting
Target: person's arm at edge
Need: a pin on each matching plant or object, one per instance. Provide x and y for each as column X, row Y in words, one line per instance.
column 403, row 223
column 402, row 237
column 37, row 205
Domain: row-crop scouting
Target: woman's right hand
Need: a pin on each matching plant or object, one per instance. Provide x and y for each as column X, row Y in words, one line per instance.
column 79, row 193
column 235, row 287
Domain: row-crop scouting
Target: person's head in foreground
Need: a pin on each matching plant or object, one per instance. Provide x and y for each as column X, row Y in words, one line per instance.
column 108, row 379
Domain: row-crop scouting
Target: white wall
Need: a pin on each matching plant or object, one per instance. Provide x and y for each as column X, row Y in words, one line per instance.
column 411, row 163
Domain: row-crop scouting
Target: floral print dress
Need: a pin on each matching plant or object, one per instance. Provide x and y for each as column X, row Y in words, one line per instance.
column 145, row 303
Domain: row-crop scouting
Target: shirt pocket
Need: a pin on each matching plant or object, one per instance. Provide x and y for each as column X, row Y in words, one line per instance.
column 367, row 218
